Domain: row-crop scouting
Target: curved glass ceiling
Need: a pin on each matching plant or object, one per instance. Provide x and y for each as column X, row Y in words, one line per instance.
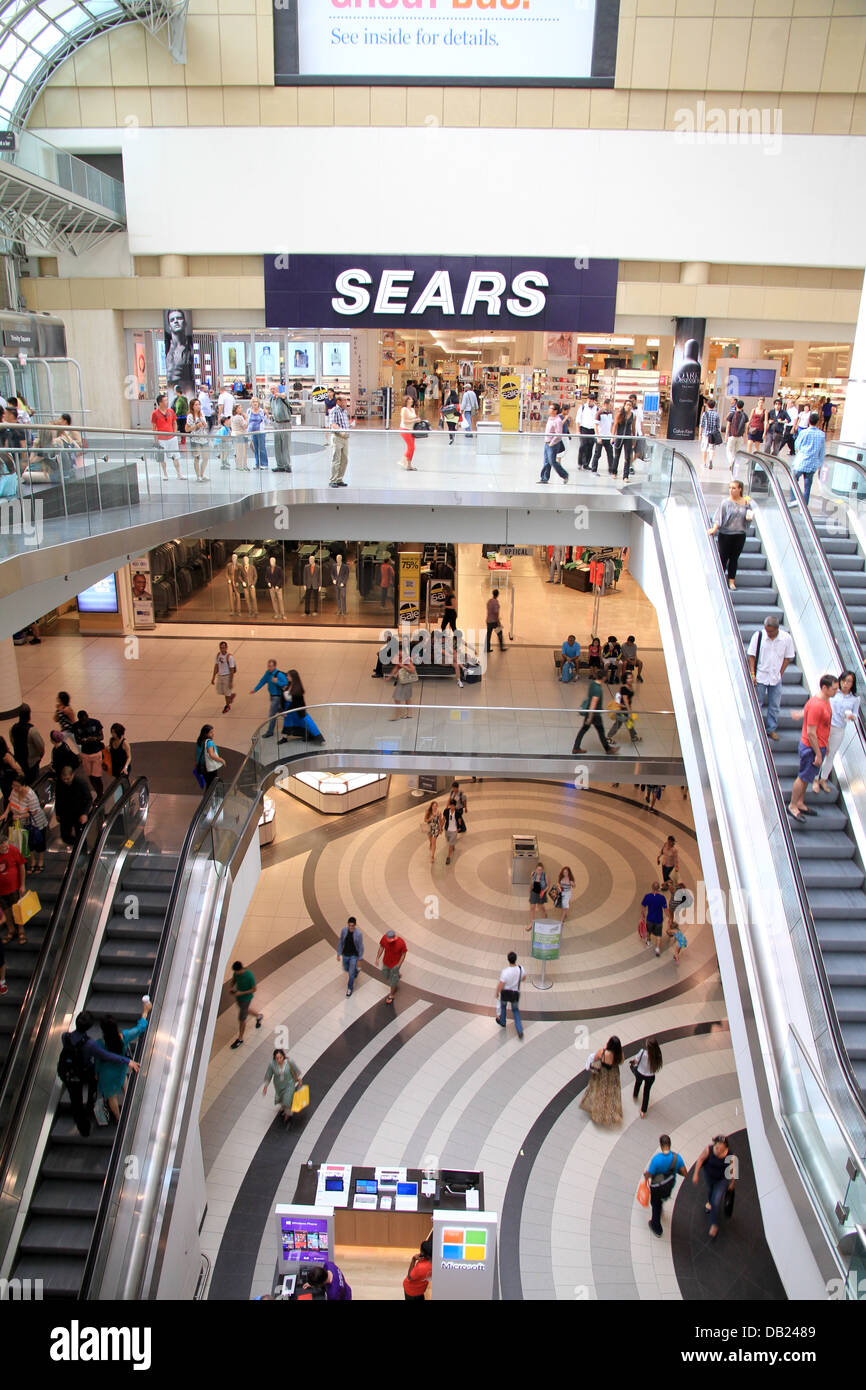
column 37, row 35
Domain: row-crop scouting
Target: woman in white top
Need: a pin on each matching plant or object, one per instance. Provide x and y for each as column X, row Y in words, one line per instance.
column 238, row 427
column 196, row 428
column 566, row 888
column 25, row 807
column 407, row 433
column 645, row 1069
column 845, row 705
column 432, row 826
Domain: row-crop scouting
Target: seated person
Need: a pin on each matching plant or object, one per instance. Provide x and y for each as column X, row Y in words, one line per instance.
column 570, row 655
column 610, row 655
column 630, row 661
column 593, row 655
column 385, row 656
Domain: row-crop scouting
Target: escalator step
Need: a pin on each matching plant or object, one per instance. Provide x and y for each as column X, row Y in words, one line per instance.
column 60, row 1197
column 65, row 1132
column 850, row 1004
column 119, row 979
column 147, row 902
column 61, row 1275
column 145, row 929
column 126, row 1008
column 838, row 903
column 47, row 1235
column 136, row 953
column 816, row 843
column 855, row 1041
column 847, row 969
column 839, row 874
column 80, row 1161
column 140, row 881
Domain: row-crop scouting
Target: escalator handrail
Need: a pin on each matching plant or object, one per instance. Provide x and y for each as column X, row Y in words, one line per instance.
column 40, row 1039
column 839, row 1047
column 62, row 913
column 118, row 1149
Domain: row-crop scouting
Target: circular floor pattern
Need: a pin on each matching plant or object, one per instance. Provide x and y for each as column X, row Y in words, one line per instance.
column 459, row 922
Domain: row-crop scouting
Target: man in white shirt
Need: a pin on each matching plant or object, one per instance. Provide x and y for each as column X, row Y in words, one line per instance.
column 225, row 402
column 770, row 652
column 508, row 992
column 586, row 422
column 603, row 431
column 224, row 671
column 206, row 404
column 469, row 406
column 803, row 418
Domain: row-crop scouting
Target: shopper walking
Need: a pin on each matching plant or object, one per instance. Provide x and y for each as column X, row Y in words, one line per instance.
column 13, row 880
column 25, row 809
column 274, row 579
column 297, row 717
column 432, row 827
column 602, row 1099
column 256, row 431
column 645, row 1068
column 449, row 614
column 281, row 417
column 64, row 716
column 710, row 432
column 814, row 741
column 350, row 951
column 238, row 430
column 90, row 739
column 494, row 621
column 164, row 424
column 565, row 886
column 286, row 1077
column 119, row 752
column 457, row 799
column 653, row 908
column 392, row 952
column 224, row 672
column 668, row 860
column 845, row 707
column 508, row 992
column 197, row 433
column 339, row 424
column 623, row 430
column 770, row 653
column 28, row 745
column 552, row 445
column 110, row 1075
column 718, row 1169
column 277, row 683
column 591, row 706
column 207, row 757
column 661, row 1174
column 757, row 426
column 72, row 802
column 537, row 895
column 621, row 709
column 469, row 407
column 404, row 676
column 419, row 1273
column 450, row 828
column 225, row 402
column 789, row 434
column 451, row 413
column 407, row 433
column 603, row 432
column 730, row 524
column 243, row 986
column 809, row 452
column 777, row 420
column 587, row 420
column 735, row 428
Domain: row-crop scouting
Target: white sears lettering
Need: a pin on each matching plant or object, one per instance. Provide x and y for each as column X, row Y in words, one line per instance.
column 77, row 1343
column 527, row 289
column 484, row 287
column 355, row 299
column 436, row 294
column 393, row 290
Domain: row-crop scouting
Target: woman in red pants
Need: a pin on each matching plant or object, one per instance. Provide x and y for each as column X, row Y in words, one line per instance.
column 407, row 432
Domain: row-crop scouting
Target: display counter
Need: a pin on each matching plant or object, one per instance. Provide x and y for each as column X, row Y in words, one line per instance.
column 335, row 793
column 378, row 1226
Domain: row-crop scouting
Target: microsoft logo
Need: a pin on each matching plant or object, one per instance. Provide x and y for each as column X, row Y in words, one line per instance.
column 464, row 1244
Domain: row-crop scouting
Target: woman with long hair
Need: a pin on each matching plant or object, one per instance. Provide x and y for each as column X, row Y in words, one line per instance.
column 197, row 429
column 602, row 1098
column 238, row 431
column 111, row 1076
column 451, row 412
column 207, row 756
column 404, row 676
column 566, row 889
column 645, row 1068
column 119, row 752
column 537, row 894
column 256, row 431
column 407, row 433
column 731, row 523
column 710, row 430
column 757, row 423
column 845, row 705
column 623, row 433
column 286, row 1077
column 432, row 826
column 297, row 717
column 25, row 807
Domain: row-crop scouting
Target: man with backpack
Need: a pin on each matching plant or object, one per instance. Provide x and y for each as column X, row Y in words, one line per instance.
column 77, row 1069
column 282, row 418
column 735, row 428
column 277, row 683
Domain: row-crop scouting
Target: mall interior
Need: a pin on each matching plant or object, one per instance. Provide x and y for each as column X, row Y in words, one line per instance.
column 454, row 242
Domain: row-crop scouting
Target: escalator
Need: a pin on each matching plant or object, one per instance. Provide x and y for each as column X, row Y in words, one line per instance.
column 21, row 960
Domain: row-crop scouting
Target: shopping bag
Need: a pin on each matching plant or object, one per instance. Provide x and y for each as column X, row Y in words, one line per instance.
column 20, row 838
column 25, row 908
column 641, row 929
column 729, row 1202
column 643, row 1192
column 300, row 1100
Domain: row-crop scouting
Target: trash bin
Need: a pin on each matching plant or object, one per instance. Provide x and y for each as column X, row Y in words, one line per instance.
column 524, row 857
column 489, row 434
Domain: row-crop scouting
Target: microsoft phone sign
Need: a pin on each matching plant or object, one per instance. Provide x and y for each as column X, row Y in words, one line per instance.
column 550, row 293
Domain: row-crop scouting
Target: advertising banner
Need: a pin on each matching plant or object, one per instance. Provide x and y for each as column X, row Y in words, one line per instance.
column 546, row 936
column 533, row 42
column 559, row 294
column 304, row 1235
column 686, row 378
column 142, row 595
column 177, row 333
column 409, row 587
column 509, row 402
column 464, row 1255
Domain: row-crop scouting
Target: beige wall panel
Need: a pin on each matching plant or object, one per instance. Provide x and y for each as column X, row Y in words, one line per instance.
column 96, row 106
column 62, row 108
column 162, row 70
column 608, row 110
column 847, row 280
column 498, row 107
column 646, row 110
column 92, row 63
column 128, row 55
column 651, row 55
column 241, row 105
column 203, row 51
column 711, row 301
column 729, row 51
column 534, row 108
column 205, row 106
column 833, row 115
column 36, row 119
column 265, row 49
column 638, row 299
column 677, row 299
column 571, row 108
column 425, row 106
column 695, row 9
column 120, row 294
column 238, row 52
column 96, row 340
column 680, row 101
column 795, row 303
column 352, row 106
column 746, row 302
column 169, row 106
column 625, row 44
column 279, row 106
column 843, row 60
column 807, row 43
column 858, row 117
column 315, row 106
column 767, row 8
column 690, row 53
column 146, row 265
column 461, row 106
column 768, row 47
column 247, row 7
column 843, row 306
column 645, row 271
column 388, row 106
column 798, row 113
column 813, row 278
column 656, row 7
column 132, row 107
column 87, row 294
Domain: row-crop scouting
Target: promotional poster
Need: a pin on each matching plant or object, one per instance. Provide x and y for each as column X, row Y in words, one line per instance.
column 686, row 378
column 177, row 330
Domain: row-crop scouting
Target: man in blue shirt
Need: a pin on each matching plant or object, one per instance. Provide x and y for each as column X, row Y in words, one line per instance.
column 809, row 453
column 77, row 1069
column 661, row 1174
column 654, row 906
column 276, row 681
column 570, row 654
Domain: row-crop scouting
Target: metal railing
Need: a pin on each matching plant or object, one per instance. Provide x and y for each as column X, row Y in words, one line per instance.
column 36, row 156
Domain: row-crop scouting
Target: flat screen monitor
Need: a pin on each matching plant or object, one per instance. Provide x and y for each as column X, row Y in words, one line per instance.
column 407, row 1189
column 333, row 1184
column 457, row 1181
column 99, row 598
column 368, row 1186
column 751, row 381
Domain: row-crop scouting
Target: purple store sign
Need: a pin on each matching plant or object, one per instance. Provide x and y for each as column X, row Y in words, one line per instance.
column 546, row 293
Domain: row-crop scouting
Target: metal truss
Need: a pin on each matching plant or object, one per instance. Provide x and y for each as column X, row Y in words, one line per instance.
column 52, row 220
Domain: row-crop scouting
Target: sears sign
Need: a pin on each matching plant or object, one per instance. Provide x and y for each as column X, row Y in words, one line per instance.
column 549, row 293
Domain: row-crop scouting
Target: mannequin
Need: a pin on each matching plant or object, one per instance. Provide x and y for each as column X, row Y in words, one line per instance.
column 232, row 569
column 556, row 559
column 274, row 585
column 246, row 581
column 340, row 578
column 311, row 581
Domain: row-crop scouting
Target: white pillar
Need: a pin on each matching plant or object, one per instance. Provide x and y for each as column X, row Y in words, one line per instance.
column 853, row 426
column 10, row 685
column 695, row 273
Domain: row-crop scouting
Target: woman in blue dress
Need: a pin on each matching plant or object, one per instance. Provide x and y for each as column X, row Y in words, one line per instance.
column 111, row 1076
column 297, row 717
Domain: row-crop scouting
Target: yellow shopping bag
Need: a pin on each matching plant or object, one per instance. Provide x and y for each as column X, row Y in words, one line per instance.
column 25, row 908
column 300, row 1100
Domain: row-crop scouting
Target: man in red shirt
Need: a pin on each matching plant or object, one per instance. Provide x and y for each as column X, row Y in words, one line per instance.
column 394, row 949
column 164, row 423
column 12, row 875
column 814, row 739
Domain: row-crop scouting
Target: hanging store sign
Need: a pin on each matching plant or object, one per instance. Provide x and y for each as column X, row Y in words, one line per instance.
column 555, row 293
column 7, row 140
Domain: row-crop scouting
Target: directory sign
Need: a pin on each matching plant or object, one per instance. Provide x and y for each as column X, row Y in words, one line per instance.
column 546, row 936
column 304, row 1235
column 446, row 42
column 100, row 597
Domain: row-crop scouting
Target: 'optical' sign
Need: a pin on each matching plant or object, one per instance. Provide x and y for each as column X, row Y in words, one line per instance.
column 463, row 292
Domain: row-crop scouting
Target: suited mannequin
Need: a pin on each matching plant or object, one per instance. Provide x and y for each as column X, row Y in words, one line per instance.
column 246, row 580
column 312, row 579
column 556, row 560
column 340, row 578
column 274, row 585
column 232, row 569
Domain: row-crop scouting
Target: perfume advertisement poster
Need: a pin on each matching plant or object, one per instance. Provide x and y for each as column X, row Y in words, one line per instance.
column 686, row 378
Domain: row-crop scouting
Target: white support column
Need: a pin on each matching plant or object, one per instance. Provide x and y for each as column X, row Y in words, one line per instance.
column 10, row 685
column 853, row 426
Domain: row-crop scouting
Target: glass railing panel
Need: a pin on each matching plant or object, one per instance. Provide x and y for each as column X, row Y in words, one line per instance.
column 48, row 162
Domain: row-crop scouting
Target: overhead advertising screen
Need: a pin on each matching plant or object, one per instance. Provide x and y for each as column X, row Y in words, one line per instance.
column 100, row 597
column 446, row 42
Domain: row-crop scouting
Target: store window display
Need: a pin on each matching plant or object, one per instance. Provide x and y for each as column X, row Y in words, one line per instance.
column 274, row 585
column 340, row 579
column 246, row 579
column 312, row 581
